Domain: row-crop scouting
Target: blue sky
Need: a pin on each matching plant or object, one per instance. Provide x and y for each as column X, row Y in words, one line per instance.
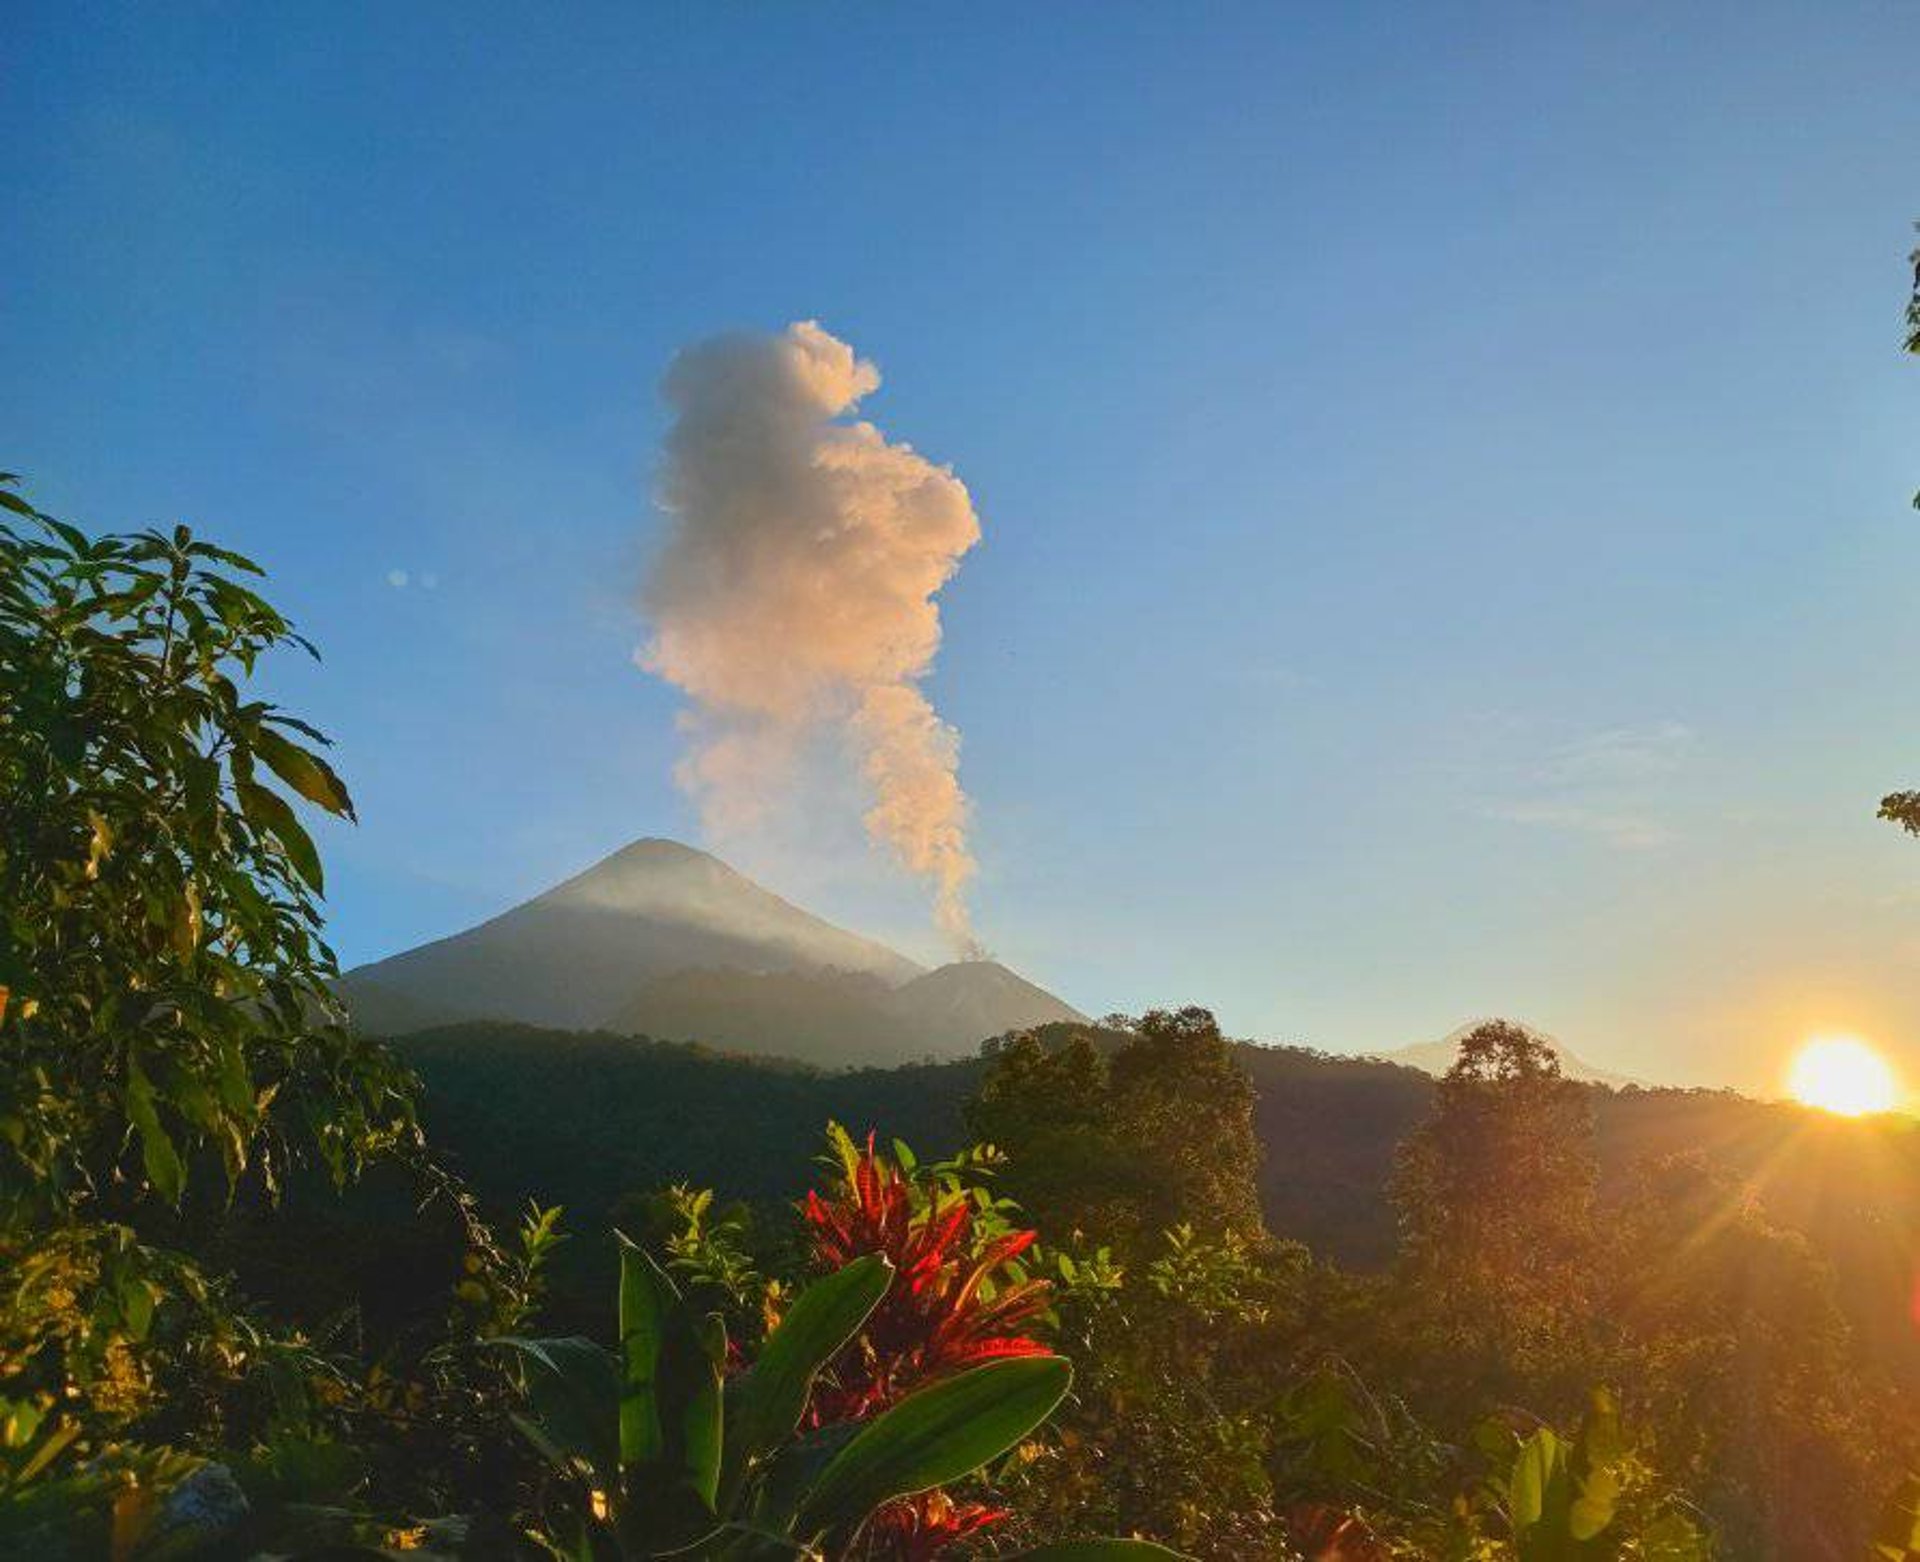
column 1444, row 469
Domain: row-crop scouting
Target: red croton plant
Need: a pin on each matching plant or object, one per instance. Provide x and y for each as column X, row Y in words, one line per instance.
column 958, row 1298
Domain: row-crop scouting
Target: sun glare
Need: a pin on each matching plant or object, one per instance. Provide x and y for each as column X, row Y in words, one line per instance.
column 1843, row 1074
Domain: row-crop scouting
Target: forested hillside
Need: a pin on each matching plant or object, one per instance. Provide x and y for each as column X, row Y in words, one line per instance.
column 582, row 1119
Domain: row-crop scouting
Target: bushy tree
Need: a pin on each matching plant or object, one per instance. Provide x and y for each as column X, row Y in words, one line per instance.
column 1171, row 1433
column 162, row 974
column 1737, row 1355
column 1134, row 1144
column 1495, row 1197
column 166, row 1031
column 1127, row 1140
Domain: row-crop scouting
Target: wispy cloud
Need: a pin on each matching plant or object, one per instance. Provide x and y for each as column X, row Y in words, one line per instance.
column 1613, row 784
column 1619, row 756
column 1627, row 831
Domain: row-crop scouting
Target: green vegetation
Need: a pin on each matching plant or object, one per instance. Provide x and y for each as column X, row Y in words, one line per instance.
column 1226, row 1302
column 1129, row 1140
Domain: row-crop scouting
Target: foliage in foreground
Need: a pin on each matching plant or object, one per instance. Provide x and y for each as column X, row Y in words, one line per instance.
column 163, row 1010
column 665, row 1453
column 162, row 973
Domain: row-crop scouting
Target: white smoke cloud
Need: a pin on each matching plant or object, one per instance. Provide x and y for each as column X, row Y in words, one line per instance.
column 795, row 594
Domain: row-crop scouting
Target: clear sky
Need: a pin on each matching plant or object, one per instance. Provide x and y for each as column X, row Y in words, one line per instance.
column 1444, row 469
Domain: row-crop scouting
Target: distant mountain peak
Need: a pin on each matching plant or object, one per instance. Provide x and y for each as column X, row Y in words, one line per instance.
column 651, row 872
column 977, row 999
column 1436, row 1057
column 665, row 938
column 575, row 954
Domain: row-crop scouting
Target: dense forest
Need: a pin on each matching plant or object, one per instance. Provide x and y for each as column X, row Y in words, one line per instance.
column 275, row 1288
column 584, row 1119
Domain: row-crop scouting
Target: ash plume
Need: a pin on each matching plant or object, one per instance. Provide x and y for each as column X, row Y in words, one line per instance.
column 795, row 595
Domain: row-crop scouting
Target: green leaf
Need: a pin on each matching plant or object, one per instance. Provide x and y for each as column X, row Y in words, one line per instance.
column 271, row 812
column 574, row 1388
column 136, row 1306
column 936, row 1436
column 792, row 1471
column 1600, row 1446
column 1541, row 1463
column 239, row 561
column 1602, row 1441
column 72, row 536
column 51, row 1447
column 702, row 1404
column 647, row 1295
column 1592, row 1511
column 1096, row 1551
column 303, row 770
column 765, row 1405
column 672, row 1408
column 165, row 1170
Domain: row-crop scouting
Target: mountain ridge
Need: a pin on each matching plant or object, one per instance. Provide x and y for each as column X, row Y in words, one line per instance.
column 1436, row 1057
column 660, row 938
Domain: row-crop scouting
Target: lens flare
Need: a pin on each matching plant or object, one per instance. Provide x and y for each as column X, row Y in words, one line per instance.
column 1843, row 1074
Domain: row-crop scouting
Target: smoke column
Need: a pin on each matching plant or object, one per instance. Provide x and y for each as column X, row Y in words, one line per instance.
column 795, row 594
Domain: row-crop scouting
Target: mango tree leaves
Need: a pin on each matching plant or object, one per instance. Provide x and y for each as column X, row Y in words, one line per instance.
column 269, row 811
column 165, row 1170
column 157, row 887
column 303, row 770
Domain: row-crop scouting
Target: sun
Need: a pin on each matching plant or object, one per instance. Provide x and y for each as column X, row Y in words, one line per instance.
column 1843, row 1074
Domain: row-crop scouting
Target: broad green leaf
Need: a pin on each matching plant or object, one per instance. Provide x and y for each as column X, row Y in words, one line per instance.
column 1097, row 1551
column 54, row 1444
column 702, row 1406
column 1600, row 1447
column 136, row 1306
column 792, row 1471
column 185, row 929
column 227, row 556
column 1592, row 1511
column 269, row 811
column 72, row 536
column 936, row 1436
column 165, row 1170
column 765, row 1405
column 1534, row 1474
column 647, row 1295
column 100, row 846
column 303, row 770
